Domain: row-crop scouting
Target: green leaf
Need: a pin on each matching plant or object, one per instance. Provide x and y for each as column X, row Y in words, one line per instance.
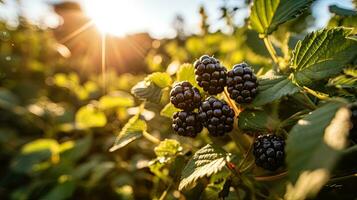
column 342, row 11
column 161, row 79
column 80, row 149
column 34, row 153
column 151, row 88
column 89, row 117
column 169, row 110
column 346, row 80
column 271, row 89
column 61, row 191
column 147, row 90
column 267, row 15
column 131, row 131
column 117, row 99
column 167, row 148
column 99, row 172
column 186, row 72
column 316, row 140
column 7, row 99
column 207, row 161
column 256, row 120
column 322, row 54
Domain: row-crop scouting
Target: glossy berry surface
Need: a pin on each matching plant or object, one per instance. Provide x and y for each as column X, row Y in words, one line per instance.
column 186, row 124
column 269, row 152
column 184, row 96
column 216, row 116
column 242, row 83
column 210, row 75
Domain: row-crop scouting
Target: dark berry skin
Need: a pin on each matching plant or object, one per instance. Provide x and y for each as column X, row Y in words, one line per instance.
column 186, row 124
column 184, row 96
column 353, row 131
column 210, row 75
column 269, row 152
column 242, row 83
column 216, row 116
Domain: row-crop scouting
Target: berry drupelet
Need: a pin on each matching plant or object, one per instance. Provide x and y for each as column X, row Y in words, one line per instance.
column 186, row 124
column 184, row 96
column 210, row 75
column 242, row 83
column 269, row 152
column 216, row 116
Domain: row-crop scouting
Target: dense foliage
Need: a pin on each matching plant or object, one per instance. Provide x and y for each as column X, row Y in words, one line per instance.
column 65, row 135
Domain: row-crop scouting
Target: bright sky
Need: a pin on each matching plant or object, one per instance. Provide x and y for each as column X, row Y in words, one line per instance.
column 153, row 16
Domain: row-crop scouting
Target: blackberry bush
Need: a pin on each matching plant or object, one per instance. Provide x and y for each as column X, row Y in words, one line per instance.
column 269, row 152
column 242, row 83
column 216, row 116
column 210, row 75
column 184, row 96
column 186, row 124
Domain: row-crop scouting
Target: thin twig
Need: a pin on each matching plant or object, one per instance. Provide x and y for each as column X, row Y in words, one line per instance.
column 151, row 138
column 246, row 155
column 272, row 52
column 231, row 103
column 271, row 178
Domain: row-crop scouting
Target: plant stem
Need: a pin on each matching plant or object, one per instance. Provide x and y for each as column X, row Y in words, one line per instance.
column 231, row 103
column 246, row 155
column 309, row 101
column 271, row 178
column 164, row 194
column 151, row 138
column 272, row 52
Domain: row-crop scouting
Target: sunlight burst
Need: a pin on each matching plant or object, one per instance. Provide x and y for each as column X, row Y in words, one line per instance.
column 109, row 16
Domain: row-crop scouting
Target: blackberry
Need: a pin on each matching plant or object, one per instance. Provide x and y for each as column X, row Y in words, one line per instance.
column 186, row 124
column 353, row 131
column 216, row 116
column 242, row 83
column 184, row 96
column 269, row 152
column 210, row 75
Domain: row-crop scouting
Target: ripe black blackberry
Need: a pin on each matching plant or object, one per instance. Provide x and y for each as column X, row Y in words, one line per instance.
column 269, row 152
column 186, row 124
column 216, row 116
column 184, row 96
column 242, row 83
column 210, row 75
column 353, row 131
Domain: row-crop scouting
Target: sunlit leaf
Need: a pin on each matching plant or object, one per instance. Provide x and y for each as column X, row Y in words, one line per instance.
column 117, row 99
column 274, row 88
column 151, row 88
column 169, row 110
column 89, row 117
column 267, row 15
column 168, row 147
column 161, row 79
column 307, row 147
column 207, row 161
column 131, row 131
column 318, row 56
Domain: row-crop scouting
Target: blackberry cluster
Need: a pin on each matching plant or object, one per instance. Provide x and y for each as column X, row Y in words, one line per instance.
column 242, row 83
column 269, row 152
column 184, row 96
column 353, row 131
column 186, row 123
column 216, row 116
column 210, row 75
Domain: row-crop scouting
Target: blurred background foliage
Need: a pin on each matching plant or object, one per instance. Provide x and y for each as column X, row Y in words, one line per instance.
column 58, row 121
